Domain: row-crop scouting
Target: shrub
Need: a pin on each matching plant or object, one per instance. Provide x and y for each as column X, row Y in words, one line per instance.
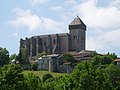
column 34, row 67
column 68, row 57
column 46, row 77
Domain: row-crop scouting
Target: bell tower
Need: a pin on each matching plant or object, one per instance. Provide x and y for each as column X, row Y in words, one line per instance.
column 77, row 30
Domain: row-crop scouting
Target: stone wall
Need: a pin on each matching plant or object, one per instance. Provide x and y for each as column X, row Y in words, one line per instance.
column 50, row 63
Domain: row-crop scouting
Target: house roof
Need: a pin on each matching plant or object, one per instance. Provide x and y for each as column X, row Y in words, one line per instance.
column 83, row 55
column 77, row 21
column 67, row 63
column 50, row 35
column 117, row 60
column 87, row 51
column 52, row 55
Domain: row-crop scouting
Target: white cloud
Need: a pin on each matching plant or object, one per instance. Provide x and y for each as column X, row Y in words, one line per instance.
column 26, row 18
column 38, row 2
column 113, row 38
column 104, row 41
column 34, row 22
column 70, row 2
column 98, row 17
column 52, row 25
column 56, row 8
column 114, row 3
column 103, row 24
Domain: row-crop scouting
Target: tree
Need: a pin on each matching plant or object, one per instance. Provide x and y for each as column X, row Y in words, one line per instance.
column 102, row 60
column 13, row 56
column 68, row 57
column 23, row 58
column 114, row 75
column 32, row 82
column 86, row 76
column 41, row 54
column 4, row 56
column 11, row 77
column 46, row 77
column 64, row 83
column 34, row 66
column 112, row 55
column 106, row 59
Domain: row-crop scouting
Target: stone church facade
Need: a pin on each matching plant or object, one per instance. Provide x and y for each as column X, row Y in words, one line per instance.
column 57, row 43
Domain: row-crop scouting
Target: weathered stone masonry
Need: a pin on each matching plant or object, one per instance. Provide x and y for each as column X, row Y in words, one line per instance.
column 57, row 43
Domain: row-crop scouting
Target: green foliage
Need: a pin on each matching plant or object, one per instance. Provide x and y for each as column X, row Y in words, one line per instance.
column 64, row 83
column 13, row 56
column 42, row 73
column 102, row 60
column 46, row 77
column 4, row 56
column 23, row 56
column 33, row 82
column 41, row 54
column 68, row 57
column 48, row 82
column 11, row 77
column 34, row 66
column 112, row 55
column 114, row 75
column 87, row 75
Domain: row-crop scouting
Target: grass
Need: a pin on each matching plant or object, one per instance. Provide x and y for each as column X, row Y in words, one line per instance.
column 42, row 73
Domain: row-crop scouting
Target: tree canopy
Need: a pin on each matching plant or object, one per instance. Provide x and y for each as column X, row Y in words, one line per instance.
column 13, row 56
column 68, row 57
column 96, row 74
column 40, row 55
column 4, row 56
column 23, row 56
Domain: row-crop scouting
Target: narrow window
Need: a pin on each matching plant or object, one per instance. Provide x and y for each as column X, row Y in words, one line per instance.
column 44, row 43
column 74, row 37
column 54, row 41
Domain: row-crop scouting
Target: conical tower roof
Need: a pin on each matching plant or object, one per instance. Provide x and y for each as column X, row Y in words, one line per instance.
column 77, row 22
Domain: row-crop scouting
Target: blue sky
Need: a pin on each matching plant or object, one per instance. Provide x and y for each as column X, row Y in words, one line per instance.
column 26, row 18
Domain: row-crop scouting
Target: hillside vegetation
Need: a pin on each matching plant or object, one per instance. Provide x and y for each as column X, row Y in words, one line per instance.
column 42, row 73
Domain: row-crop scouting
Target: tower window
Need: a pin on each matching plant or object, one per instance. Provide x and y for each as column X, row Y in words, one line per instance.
column 54, row 41
column 44, row 43
column 74, row 37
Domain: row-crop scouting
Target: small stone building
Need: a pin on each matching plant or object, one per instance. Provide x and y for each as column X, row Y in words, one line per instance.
column 117, row 61
column 50, row 63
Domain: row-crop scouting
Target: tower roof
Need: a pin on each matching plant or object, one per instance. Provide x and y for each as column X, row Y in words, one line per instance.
column 77, row 21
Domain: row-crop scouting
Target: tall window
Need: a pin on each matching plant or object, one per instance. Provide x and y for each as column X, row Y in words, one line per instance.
column 54, row 41
column 44, row 43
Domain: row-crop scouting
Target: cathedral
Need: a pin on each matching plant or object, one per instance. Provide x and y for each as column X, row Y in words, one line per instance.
column 57, row 43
